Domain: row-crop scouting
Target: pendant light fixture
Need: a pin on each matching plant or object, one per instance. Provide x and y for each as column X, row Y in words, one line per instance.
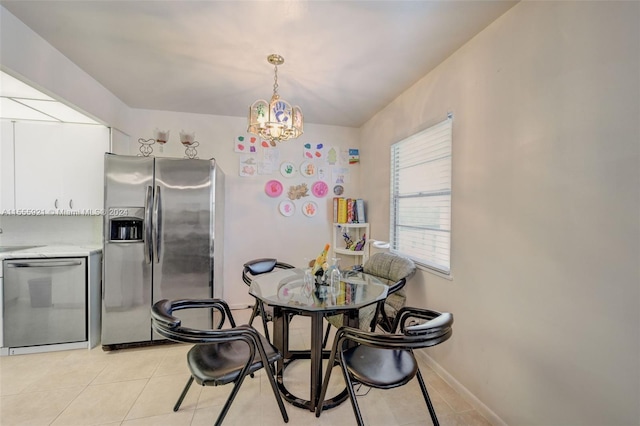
column 276, row 120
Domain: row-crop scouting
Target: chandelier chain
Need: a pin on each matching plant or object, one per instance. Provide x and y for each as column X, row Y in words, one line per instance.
column 275, row 80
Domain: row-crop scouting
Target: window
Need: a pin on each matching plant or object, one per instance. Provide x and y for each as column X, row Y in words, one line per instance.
column 421, row 197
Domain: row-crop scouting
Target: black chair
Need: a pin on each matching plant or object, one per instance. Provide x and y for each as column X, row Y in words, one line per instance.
column 219, row 356
column 386, row 361
column 257, row 267
column 393, row 270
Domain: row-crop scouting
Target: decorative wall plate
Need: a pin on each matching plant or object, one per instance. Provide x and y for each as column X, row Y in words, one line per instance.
column 310, row 208
column 319, row 189
column 338, row 189
column 287, row 208
column 288, row 169
column 273, row 188
column 308, row 169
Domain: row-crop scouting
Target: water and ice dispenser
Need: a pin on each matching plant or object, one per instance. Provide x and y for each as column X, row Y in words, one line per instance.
column 128, row 227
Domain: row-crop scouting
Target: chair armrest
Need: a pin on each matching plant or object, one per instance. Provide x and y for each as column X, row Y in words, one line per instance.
column 385, row 341
column 397, row 285
column 162, row 311
column 436, row 330
column 437, row 325
column 434, row 320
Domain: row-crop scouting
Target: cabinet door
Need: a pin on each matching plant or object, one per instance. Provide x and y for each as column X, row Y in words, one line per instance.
column 37, row 167
column 82, row 167
column 60, row 167
column 7, row 178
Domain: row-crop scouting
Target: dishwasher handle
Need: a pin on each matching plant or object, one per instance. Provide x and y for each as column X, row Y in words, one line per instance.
column 42, row 264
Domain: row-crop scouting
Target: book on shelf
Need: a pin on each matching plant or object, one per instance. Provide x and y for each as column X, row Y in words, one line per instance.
column 360, row 216
column 348, row 210
column 342, row 210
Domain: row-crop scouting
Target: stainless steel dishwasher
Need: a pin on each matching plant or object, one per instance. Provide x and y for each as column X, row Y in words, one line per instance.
column 44, row 301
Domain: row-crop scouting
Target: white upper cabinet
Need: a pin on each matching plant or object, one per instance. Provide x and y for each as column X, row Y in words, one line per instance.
column 83, row 178
column 37, row 180
column 7, row 200
column 59, row 167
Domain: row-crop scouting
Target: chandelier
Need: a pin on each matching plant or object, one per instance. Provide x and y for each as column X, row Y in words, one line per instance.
column 276, row 120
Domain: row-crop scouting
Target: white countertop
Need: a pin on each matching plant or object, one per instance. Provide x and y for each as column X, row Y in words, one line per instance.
column 53, row 251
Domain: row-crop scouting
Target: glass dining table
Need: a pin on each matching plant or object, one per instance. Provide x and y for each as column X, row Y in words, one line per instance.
column 285, row 290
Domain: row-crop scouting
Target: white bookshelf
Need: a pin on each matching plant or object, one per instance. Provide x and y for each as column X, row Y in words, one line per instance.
column 350, row 257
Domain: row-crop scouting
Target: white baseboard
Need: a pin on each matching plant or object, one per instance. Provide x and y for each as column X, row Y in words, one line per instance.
column 43, row 348
column 485, row 411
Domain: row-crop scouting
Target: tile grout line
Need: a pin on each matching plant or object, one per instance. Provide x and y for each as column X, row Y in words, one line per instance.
column 84, row 388
column 136, row 400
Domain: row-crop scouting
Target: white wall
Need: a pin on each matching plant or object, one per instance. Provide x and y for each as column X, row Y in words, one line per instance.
column 546, row 285
column 253, row 226
column 52, row 230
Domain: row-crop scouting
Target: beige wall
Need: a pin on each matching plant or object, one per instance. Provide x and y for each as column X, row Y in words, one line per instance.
column 545, row 288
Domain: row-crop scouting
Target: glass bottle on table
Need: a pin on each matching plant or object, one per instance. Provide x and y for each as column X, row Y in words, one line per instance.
column 334, row 275
column 308, row 285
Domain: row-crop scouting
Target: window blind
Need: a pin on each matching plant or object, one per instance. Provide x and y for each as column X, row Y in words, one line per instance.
column 421, row 197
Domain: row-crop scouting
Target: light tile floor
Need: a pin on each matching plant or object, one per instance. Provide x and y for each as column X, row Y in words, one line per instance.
column 140, row 386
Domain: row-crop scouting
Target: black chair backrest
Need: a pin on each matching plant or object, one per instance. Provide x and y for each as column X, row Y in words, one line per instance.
column 434, row 331
column 261, row 266
column 166, row 324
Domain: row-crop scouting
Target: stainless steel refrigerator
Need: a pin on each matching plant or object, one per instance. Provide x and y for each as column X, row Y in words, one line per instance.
column 163, row 240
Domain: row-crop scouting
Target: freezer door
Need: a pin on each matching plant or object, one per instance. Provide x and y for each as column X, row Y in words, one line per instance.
column 126, row 298
column 183, row 236
column 126, row 180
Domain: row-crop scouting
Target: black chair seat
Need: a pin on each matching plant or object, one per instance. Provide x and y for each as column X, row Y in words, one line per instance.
column 386, row 361
column 219, row 355
column 380, row 368
column 220, row 363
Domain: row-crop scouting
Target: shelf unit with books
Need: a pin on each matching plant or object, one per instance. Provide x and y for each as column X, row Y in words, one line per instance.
column 348, row 210
column 346, row 250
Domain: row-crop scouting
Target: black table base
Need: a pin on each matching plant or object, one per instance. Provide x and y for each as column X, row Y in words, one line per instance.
column 316, row 354
column 301, row 402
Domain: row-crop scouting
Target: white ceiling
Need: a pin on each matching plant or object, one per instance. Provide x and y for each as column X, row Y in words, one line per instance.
column 344, row 60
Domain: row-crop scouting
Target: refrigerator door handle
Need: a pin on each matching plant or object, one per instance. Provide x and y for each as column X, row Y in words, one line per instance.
column 157, row 222
column 147, row 225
